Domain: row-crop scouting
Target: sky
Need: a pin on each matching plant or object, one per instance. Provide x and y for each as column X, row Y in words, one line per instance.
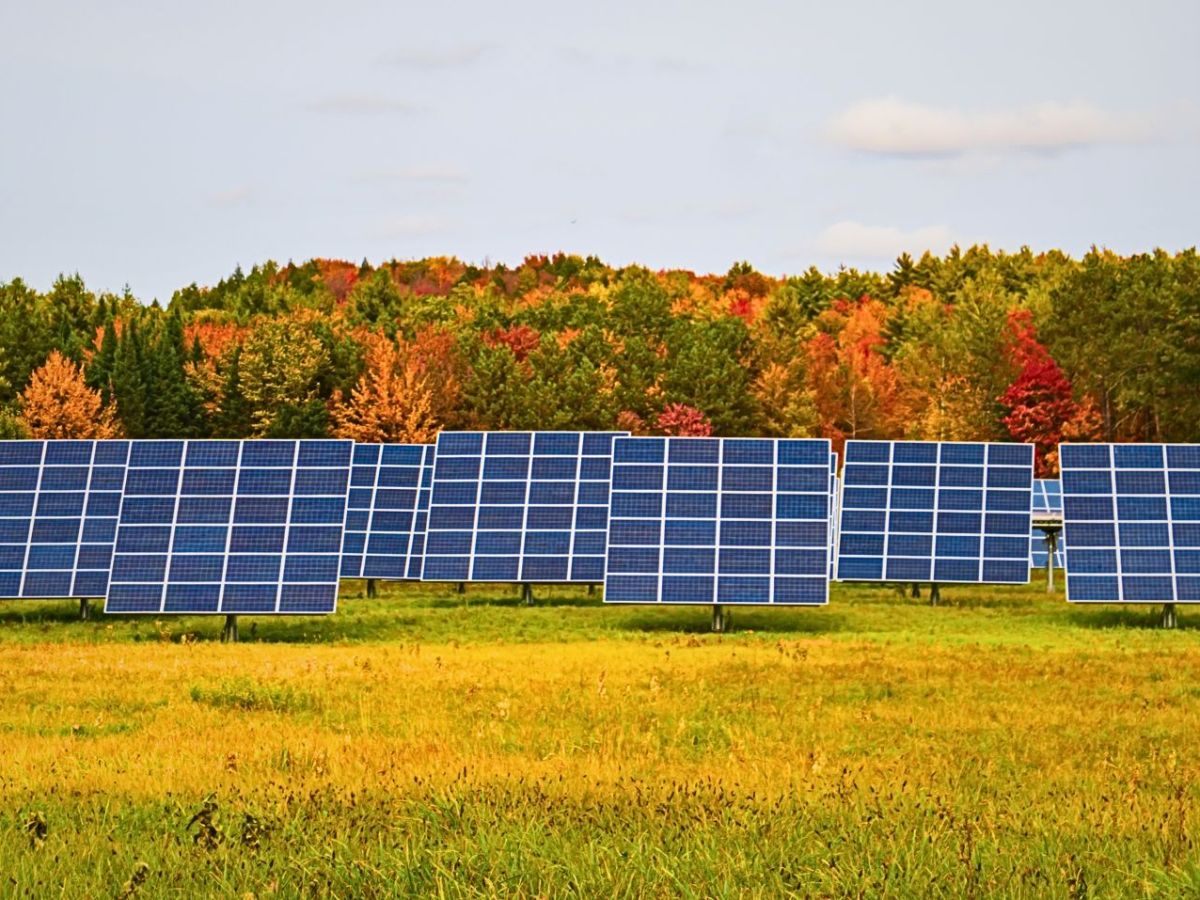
column 156, row 144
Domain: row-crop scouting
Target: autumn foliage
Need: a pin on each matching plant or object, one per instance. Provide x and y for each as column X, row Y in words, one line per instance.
column 1039, row 402
column 59, row 404
column 392, row 401
column 972, row 345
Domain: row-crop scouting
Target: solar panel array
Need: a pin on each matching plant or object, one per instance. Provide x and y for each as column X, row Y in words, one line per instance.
column 213, row 526
column 1131, row 517
column 59, row 502
column 268, row 526
column 937, row 512
column 386, row 509
column 719, row 520
column 519, row 507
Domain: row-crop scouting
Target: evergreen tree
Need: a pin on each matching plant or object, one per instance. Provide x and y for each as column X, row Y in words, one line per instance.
column 128, row 383
column 100, row 368
column 173, row 406
column 232, row 418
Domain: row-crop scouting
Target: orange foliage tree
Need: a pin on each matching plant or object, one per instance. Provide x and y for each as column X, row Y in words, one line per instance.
column 855, row 391
column 59, row 404
column 392, row 401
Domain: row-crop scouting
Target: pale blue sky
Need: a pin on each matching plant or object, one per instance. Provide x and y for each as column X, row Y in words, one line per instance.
column 157, row 143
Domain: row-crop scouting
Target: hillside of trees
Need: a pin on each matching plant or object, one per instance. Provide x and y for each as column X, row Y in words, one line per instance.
column 975, row 345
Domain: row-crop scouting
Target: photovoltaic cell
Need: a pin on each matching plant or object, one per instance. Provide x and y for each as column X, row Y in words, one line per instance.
column 59, row 502
column 213, row 526
column 518, row 507
column 719, row 520
column 937, row 512
column 384, row 511
column 1131, row 518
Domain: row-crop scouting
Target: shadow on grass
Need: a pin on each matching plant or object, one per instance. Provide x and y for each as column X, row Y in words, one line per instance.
column 698, row 620
column 47, row 611
column 1145, row 617
column 953, row 596
column 539, row 600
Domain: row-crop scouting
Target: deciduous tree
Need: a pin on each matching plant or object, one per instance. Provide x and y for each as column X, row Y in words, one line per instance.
column 391, row 403
column 57, row 403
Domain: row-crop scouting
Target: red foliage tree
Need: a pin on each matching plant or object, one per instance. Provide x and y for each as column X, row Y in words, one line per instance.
column 520, row 339
column 1040, row 400
column 681, row 420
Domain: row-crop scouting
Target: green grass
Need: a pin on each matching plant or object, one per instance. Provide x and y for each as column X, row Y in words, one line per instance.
column 429, row 743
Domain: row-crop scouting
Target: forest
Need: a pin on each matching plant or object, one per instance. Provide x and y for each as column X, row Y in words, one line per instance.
column 974, row 345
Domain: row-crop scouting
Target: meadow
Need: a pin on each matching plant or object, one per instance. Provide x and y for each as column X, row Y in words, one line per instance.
column 430, row 744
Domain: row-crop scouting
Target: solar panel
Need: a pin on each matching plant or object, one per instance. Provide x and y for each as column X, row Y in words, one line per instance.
column 383, row 509
column 519, row 507
column 59, row 502
column 1131, row 518
column 1047, row 505
column 213, row 526
column 833, row 502
column 719, row 520
column 1047, row 497
column 937, row 512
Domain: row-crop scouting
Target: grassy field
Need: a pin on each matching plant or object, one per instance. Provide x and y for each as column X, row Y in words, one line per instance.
column 425, row 743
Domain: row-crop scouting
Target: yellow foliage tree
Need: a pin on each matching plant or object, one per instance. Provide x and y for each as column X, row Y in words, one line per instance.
column 59, row 404
column 392, row 401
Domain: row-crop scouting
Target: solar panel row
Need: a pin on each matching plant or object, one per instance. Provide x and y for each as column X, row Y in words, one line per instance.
column 938, row 512
column 719, row 520
column 268, row 526
column 1131, row 518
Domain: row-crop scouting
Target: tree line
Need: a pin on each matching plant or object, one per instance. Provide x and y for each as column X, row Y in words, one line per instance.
column 973, row 345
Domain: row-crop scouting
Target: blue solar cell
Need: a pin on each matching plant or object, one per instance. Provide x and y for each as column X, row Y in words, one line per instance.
column 545, row 568
column 214, row 454
column 258, row 455
column 965, row 454
column 868, row 451
column 496, row 568
column 561, row 517
column 914, row 476
column 1010, row 477
column 507, row 444
column 1183, row 456
column 705, row 451
column 685, row 560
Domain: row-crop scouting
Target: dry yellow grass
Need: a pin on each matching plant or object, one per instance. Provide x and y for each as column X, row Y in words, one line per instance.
column 832, row 764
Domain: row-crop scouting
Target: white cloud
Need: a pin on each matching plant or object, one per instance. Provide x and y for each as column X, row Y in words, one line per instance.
column 891, row 126
column 436, row 57
column 361, row 105
column 856, row 241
